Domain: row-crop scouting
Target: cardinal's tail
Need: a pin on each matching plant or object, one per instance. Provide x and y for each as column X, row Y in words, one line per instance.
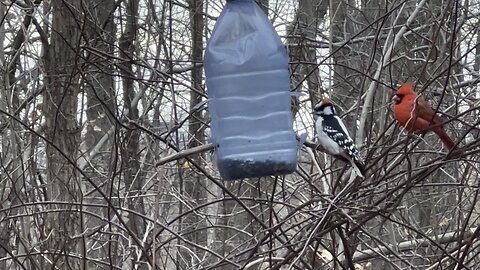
column 449, row 143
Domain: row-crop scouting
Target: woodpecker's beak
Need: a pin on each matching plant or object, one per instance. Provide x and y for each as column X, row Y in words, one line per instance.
column 396, row 99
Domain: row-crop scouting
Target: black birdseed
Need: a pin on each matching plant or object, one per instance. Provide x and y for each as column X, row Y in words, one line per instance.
column 232, row 169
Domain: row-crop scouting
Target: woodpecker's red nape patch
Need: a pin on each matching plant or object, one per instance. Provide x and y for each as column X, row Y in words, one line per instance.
column 326, row 101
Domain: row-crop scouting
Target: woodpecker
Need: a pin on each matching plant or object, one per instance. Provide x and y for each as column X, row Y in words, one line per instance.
column 333, row 136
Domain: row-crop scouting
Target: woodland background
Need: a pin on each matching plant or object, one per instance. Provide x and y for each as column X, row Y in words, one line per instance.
column 99, row 115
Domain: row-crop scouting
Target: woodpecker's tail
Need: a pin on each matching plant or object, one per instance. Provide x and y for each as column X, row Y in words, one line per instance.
column 358, row 167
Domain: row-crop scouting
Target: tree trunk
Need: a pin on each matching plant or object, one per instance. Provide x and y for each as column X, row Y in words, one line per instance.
column 130, row 137
column 302, row 32
column 192, row 185
column 62, row 132
column 98, row 88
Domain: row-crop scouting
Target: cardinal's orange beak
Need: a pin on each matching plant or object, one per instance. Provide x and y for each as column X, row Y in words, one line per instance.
column 396, row 99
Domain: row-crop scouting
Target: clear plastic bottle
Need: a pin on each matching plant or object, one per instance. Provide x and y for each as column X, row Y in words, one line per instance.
column 249, row 102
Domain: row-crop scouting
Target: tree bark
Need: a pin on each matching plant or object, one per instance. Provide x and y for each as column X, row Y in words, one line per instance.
column 101, row 111
column 302, row 33
column 62, row 132
column 130, row 137
column 194, row 186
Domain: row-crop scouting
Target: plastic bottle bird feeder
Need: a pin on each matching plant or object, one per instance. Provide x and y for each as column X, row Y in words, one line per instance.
column 249, row 102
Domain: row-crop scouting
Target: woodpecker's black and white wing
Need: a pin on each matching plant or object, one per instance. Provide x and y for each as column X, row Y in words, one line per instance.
column 335, row 129
column 334, row 137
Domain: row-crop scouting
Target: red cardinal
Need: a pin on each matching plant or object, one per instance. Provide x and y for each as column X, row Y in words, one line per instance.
column 415, row 114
